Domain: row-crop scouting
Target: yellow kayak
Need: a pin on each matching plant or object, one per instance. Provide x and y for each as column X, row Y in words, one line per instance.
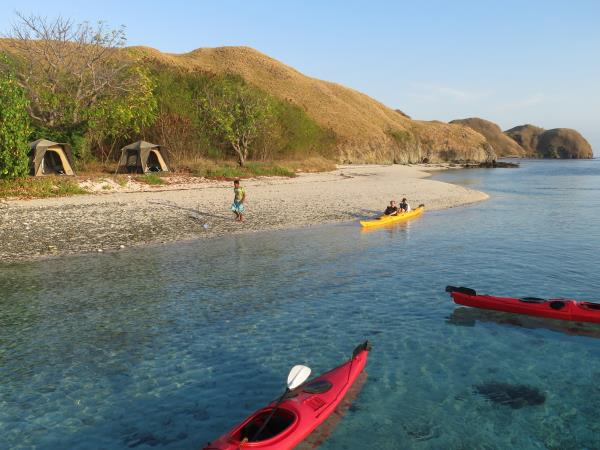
column 386, row 220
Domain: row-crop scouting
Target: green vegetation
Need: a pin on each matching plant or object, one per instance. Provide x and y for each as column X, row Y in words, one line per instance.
column 153, row 179
column 299, row 135
column 79, row 89
column 269, row 169
column 112, row 121
column 235, row 114
column 202, row 115
column 399, row 136
column 106, row 97
column 230, row 170
column 121, row 181
column 25, row 187
column 14, row 126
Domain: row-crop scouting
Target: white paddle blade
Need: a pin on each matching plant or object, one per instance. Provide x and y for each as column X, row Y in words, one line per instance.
column 297, row 376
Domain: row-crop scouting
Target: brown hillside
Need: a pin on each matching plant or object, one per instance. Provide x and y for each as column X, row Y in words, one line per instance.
column 526, row 136
column 367, row 130
column 563, row 143
column 502, row 144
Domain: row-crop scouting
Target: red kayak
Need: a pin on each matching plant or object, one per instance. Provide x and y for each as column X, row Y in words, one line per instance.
column 301, row 411
column 560, row 308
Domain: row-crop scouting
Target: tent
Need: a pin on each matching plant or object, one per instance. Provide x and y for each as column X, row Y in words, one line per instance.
column 47, row 158
column 142, row 157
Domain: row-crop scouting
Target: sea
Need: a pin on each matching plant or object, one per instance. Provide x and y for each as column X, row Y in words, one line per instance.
column 168, row 347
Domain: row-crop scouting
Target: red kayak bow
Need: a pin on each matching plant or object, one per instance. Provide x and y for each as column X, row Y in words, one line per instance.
column 301, row 411
column 562, row 309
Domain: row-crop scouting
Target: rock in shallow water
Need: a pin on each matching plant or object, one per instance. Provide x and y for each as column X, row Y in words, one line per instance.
column 514, row 395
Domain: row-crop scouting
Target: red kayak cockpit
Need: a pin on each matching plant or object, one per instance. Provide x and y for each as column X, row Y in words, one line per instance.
column 304, row 406
column 284, row 420
column 280, row 425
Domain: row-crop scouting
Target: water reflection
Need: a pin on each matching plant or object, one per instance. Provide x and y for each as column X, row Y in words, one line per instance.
column 468, row 317
column 326, row 429
column 401, row 229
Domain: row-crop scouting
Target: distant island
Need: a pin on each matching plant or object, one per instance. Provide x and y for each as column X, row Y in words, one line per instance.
column 529, row 141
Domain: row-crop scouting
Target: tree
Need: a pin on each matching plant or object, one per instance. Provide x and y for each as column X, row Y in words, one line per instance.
column 14, row 126
column 178, row 134
column 236, row 114
column 66, row 68
column 111, row 120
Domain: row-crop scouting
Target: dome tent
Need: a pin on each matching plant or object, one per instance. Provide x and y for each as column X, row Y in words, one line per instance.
column 47, row 158
column 142, row 157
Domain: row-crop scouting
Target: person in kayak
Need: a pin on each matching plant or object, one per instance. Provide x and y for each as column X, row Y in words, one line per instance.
column 238, row 201
column 391, row 210
column 404, row 206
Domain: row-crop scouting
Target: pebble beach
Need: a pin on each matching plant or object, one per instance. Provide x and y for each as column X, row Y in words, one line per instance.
column 197, row 208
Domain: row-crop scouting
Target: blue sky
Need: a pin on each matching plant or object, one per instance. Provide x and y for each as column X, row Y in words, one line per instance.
column 507, row 61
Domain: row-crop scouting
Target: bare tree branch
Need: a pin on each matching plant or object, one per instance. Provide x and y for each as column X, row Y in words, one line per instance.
column 66, row 67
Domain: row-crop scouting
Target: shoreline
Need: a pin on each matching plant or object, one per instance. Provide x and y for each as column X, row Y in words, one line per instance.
column 199, row 208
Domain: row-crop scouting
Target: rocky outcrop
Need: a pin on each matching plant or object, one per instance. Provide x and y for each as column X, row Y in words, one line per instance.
column 503, row 145
column 402, row 113
column 560, row 143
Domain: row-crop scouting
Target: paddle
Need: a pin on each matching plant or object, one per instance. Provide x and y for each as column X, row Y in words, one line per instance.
column 298, row 375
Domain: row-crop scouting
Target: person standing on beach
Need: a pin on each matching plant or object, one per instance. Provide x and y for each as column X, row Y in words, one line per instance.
column 238, row 201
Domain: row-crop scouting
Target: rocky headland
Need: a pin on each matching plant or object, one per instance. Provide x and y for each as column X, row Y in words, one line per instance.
column 563, row 143
column 530, row 141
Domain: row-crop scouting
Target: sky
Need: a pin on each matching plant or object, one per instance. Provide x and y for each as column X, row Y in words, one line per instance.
column 506, row 61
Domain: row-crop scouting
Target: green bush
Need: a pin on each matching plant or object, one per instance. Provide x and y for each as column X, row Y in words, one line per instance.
column 268, row 169
column 289, row 134
column 231, row 170
column 14, row 125
column 39, row 187
column 296, row 134
column 152, row 179
column 164, row 106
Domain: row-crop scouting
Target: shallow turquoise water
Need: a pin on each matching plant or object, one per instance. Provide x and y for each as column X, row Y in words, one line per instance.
column 168, row 347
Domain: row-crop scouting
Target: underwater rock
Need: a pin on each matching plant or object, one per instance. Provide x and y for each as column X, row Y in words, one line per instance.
column 142, row 439
column 514, row 395
column 421, row 431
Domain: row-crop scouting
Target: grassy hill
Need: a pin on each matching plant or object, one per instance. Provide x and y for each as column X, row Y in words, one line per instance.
column 503, row 145
column 561, row 143
column 312, row 117
column 365, row 130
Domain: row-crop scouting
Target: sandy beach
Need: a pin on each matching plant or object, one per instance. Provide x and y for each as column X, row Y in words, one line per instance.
column 199, row 208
